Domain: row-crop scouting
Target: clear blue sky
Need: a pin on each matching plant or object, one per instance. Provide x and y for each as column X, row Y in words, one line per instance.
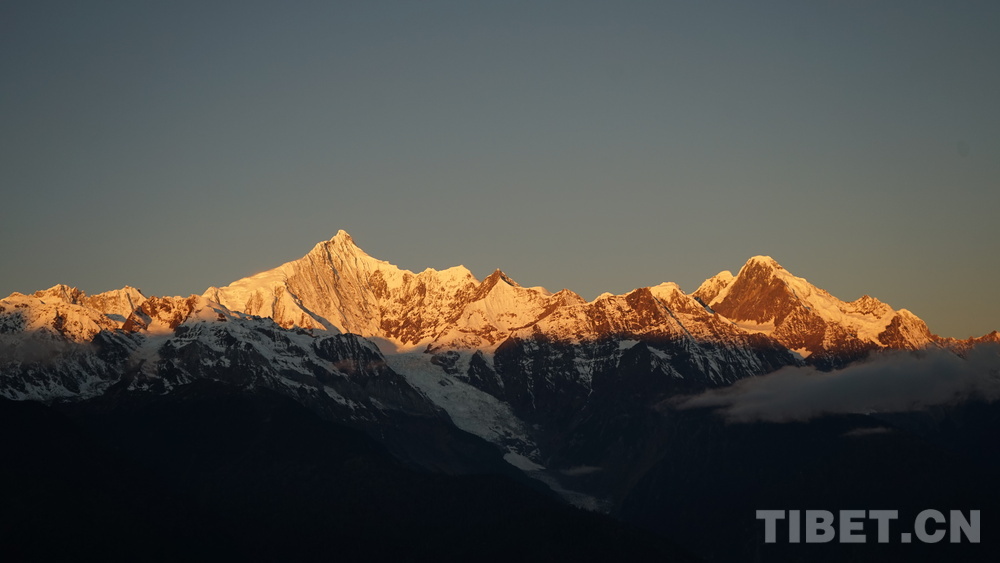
column 599, row 146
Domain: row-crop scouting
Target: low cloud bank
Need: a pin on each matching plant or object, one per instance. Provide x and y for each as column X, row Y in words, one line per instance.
column 37, row 348
column 895, row 382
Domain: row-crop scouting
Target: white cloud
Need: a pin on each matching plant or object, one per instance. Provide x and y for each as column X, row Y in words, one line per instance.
column 894, row 382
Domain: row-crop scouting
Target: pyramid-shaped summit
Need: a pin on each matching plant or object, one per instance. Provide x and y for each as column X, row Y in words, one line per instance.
column 766, row 298
column 338, row 287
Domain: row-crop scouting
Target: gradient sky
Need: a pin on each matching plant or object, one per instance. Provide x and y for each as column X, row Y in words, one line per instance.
column 599, row 146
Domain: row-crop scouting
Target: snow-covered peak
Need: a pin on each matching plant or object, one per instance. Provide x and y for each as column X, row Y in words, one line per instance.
column 454, row 274
column 62, row 293
column 762, row 261
column 54, row 317
column 499, row 276
column 766, row 298
column 162, row 315
column 568, row 297
column 868, row 305
column 710, row 288
column 666, row 290
column 762, row 292
column 723, row 278
column 672, row 296
column 116, row 304
column 342, row 240
column 991, row 337
column 344, row 247
column 339, row 287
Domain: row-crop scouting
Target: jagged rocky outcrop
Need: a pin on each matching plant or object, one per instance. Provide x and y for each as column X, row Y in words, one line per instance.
column 456, row 375
column 764, row 298
column 116, row 304
column 337, row 286
column 53, row 347
column 522, row 367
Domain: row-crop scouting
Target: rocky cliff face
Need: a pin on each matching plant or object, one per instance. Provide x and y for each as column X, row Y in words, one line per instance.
column 52, row 348
column 453, row 374
column 535, row 373
column 536, row 351
column 338, row 286
column 117, row 304
column 765, row 298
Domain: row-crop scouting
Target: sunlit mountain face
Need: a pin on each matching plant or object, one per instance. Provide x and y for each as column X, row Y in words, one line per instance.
column 667, row 417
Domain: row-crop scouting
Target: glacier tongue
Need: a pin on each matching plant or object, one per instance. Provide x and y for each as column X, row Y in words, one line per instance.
column 470, row 408
column 536, row 374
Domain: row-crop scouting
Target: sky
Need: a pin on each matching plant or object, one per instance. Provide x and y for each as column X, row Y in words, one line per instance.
column 597, row 146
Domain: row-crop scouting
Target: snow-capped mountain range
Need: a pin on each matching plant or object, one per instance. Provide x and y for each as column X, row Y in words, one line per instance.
column 365, row 342
column 337, row 286
column 583, row 400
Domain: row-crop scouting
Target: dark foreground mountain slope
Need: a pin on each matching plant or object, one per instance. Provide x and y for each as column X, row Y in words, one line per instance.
column 210, row 472
column 712, row 476
column 374, row 400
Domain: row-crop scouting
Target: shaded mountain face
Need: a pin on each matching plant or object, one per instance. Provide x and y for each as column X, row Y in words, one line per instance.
column 711, row 477
column 539, row 362
column 455, row 375
column 169, row 343
column 765, row 298
column 215, row 472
